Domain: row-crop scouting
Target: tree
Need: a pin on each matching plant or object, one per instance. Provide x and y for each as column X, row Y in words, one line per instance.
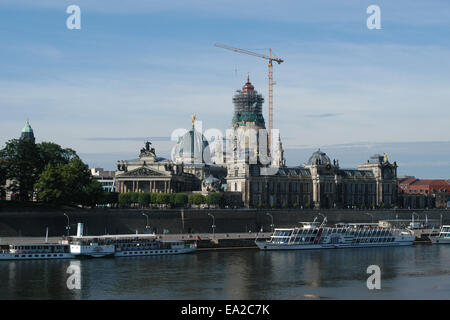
column 52, row 153
column 124, row 198
column 214, row 198
column 21, row 163
column 69, row 183
column 2, row 179
column 144, row 199
column 49, row 186
column 92, row 193
column 198, row 199
column 180, row 199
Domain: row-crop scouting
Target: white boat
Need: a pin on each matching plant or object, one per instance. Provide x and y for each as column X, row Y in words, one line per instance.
column 38, row 251
column 89, row 246
column 146, row 245
column 315, row 236
column 443, row 237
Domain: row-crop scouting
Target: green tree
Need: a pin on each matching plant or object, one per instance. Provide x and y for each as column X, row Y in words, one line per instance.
column 162, row 198
column 214, row 198
column 92, row 193
column 69, row 183
column 124, row 198
column 144, row 199
column 2, row 179
column 23, row 161
column 50, row 186
column 21, row 164
column 52, row 153
column 110, row 198
column 198, row 199
column 181, row 199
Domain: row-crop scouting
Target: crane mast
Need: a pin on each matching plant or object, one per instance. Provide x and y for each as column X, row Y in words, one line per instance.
column 271, row 82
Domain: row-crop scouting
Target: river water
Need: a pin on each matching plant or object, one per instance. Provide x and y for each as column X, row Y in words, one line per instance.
column 414, row 272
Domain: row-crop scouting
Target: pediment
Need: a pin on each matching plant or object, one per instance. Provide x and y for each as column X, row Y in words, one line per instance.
column 143, row 172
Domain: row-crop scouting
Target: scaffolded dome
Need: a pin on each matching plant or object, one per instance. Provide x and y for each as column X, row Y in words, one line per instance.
column 248, row 105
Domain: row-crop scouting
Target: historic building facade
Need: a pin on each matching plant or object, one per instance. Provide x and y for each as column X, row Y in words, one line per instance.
column 320, row 182
column 243, row 163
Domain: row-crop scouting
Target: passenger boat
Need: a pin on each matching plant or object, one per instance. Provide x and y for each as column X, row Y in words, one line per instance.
column 81, row 246
column 315, row 236
column 39, row 251
column 145, row 245
column 443, row 237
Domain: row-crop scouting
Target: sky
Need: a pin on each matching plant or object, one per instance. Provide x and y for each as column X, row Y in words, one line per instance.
column 137, row 70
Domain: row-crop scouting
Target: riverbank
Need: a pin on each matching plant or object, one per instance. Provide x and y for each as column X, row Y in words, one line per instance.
column 32, row 222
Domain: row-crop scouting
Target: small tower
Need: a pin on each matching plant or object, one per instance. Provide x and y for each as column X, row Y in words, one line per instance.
column 27, row 132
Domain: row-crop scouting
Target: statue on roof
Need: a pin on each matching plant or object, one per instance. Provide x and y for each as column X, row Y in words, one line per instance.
column 147, row 151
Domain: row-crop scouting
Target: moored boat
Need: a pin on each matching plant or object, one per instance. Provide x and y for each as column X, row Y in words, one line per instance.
column 145, row 245
column 443, row 237
column 38, row 251
column 352, row 235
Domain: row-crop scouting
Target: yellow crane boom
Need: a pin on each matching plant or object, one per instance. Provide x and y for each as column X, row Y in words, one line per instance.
column 271, row 82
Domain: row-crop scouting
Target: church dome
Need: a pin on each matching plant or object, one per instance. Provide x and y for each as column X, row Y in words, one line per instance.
column 27, row 132
column 248, row 106
column 192, row 147
column 318, row 157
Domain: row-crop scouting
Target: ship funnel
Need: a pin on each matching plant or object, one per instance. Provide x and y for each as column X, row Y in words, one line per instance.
column 79, row 230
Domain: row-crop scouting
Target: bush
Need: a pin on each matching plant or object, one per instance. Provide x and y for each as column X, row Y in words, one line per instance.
column 180, row 199
column 196, row 199
column 134, row 197
column 214, row 198
column 162, row 198
column 110, row 198
column 144, row 199
column 125, row 198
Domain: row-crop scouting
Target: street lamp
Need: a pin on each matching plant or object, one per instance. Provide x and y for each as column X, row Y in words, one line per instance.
column 68, row 224
column 369, row 215
column 146, row 226
column 214, row 223
column 271, row 216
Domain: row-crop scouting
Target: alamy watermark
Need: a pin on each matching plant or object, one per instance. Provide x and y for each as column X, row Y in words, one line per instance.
column 374, row 20
column 74, row 280
column 374, row 280
column 74, row 20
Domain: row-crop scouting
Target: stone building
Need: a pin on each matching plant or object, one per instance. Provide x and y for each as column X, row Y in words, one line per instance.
column 185, row 173
column 242, row 163
column 259, row 173
column 150, row 173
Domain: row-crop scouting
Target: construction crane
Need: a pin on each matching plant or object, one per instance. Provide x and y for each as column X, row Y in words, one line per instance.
column 271, row 82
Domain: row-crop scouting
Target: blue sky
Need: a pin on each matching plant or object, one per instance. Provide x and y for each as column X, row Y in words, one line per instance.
column 139, row 69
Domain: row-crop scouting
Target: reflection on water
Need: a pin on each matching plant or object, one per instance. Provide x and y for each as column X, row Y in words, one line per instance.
column 416, row 272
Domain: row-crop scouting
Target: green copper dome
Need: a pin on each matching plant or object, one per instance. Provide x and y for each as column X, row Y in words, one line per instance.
column 27, row 132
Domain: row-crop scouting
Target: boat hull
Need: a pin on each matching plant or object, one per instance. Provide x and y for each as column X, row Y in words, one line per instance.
column 267, row 246
column 35, row 256
column 437, row 240
column 153, row 252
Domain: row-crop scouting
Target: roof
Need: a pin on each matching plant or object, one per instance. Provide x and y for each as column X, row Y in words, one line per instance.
column 294, row 171
column 319, row 157
column 356, row 173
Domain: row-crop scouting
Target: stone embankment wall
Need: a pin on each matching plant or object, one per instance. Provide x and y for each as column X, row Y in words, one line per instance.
column 30, row 222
